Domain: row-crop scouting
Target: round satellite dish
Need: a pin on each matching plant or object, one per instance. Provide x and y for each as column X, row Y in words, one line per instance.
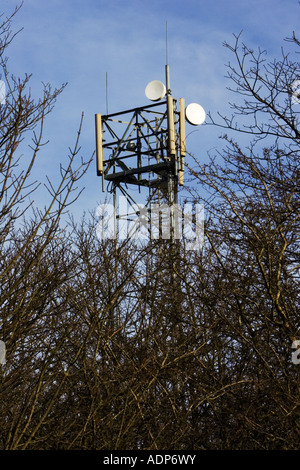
column 195, row 114
column 155, row 90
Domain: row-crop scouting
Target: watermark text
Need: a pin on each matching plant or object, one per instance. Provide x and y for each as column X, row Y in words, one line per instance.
column 159, row 221
column 2, row 92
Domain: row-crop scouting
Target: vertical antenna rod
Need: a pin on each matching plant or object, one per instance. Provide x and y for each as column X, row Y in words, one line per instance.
column 167, row 64
column 106, row 93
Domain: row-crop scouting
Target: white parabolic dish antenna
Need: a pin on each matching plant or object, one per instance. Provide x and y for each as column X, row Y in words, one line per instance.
column 195, row 114
column 155, row 90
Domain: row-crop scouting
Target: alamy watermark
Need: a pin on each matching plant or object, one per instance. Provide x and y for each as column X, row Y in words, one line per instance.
column 296, row 354
column 296, row 92
column 157, row 221
column 2, row 92
column 2, row 352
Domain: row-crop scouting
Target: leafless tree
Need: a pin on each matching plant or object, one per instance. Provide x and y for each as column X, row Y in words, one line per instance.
column 251, row 195
column 34, row 262
column 127, row 345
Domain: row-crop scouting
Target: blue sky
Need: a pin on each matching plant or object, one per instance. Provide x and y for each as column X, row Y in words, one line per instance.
column 80, row 41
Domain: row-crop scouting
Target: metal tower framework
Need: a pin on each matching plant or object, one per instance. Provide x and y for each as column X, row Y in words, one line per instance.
column 145, row 143
column 144, row 147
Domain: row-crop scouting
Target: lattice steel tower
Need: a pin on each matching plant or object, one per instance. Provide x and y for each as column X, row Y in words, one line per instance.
column 145, row 146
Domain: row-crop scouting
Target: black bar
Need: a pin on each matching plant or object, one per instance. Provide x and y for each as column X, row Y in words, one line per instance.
column 107, row 116
column 156, row 168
